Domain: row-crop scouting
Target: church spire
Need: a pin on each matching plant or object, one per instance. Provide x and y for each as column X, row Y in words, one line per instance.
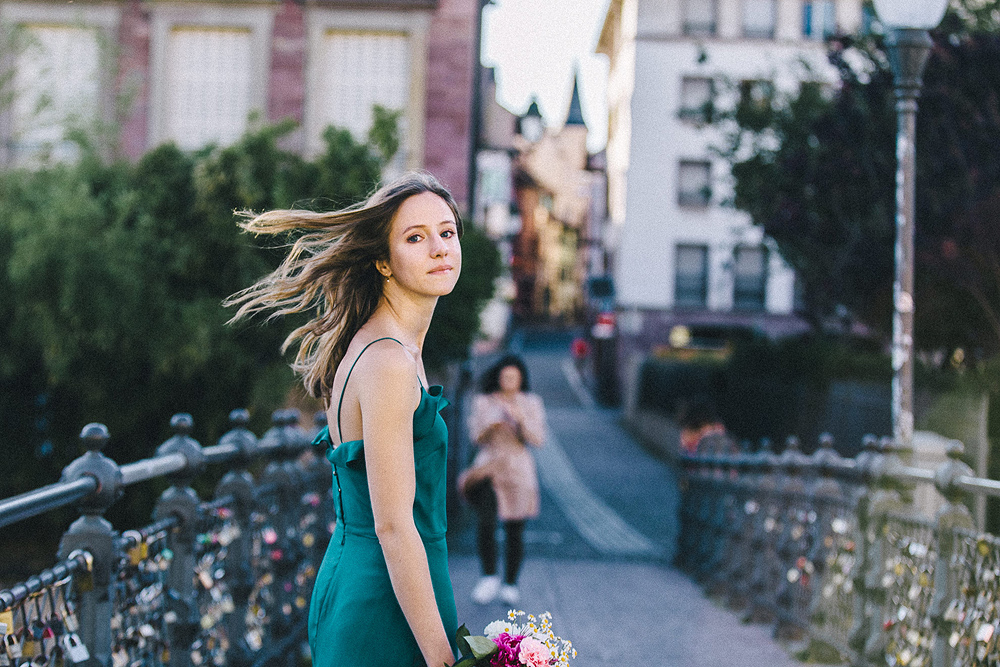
column 575, row 116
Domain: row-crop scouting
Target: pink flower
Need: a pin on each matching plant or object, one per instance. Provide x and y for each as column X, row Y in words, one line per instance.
column 506, row 656
column 533, row 653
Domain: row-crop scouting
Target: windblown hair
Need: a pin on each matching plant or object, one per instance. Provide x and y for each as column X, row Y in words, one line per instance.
column 330, row 269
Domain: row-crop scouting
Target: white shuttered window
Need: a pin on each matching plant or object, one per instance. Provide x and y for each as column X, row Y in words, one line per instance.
column 208, row 87
column 358, row 70
column 759, row 18
column 57, row 84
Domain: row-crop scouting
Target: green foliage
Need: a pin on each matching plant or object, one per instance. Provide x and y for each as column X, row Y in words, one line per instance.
column 817, row 174
column 766, row 389
column 384, row 132
column 817, row 171
column 474, row 649
column 111, row 282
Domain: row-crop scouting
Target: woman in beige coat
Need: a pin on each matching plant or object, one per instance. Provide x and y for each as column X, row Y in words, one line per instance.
column 504, row 422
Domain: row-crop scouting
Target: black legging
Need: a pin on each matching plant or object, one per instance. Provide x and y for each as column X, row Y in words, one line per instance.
column 484, row 501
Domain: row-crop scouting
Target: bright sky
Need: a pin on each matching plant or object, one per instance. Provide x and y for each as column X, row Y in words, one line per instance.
column 535, row 44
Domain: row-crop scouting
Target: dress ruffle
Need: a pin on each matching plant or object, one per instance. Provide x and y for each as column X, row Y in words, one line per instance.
column 351, row 453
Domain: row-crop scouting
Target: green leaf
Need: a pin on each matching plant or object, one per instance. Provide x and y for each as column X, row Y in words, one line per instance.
column 463, row 647
column 481, row 646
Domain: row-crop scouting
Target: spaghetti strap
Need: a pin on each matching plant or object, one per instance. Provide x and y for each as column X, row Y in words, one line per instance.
column 343, row 389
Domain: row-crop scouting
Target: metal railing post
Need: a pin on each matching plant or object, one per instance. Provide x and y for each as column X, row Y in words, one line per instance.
column 866, row 463
column 182, row 502
column 238, row 484
column 888, row 498
column 764, row 530
column 94, row 534
column 790, row 544
column 752, row 466
column 733, row 547
column 827, row 494
column 953, row 514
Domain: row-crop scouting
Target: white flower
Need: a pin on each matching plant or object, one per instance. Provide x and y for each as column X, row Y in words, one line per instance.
column 495, row 629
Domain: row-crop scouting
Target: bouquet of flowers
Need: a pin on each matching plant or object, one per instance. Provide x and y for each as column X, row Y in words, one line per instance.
column 520, row 641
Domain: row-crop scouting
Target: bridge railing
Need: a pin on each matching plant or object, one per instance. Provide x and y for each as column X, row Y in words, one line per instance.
column 833, row 551
column 220, row 581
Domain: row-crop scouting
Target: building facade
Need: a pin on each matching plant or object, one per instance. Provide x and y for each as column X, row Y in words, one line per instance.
column 137, row 74
column 682, row 256
column 559, row 190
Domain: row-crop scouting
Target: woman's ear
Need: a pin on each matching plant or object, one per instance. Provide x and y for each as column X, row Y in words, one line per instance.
column 382, row 267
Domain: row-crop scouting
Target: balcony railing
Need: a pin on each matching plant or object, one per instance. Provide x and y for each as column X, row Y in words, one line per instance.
column 220, row 581
column 833, row 551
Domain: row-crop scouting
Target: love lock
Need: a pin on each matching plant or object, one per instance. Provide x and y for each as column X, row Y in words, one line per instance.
column 74, row 650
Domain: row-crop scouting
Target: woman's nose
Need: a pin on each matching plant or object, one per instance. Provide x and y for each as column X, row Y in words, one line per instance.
column 440, row 247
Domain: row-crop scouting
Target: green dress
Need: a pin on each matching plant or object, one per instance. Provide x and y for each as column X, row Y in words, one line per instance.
column 354, row 617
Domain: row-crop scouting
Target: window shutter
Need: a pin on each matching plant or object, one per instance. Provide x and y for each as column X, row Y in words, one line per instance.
column 208, row 85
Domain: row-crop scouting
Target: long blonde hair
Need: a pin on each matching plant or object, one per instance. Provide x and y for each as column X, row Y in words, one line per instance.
column 330, row 269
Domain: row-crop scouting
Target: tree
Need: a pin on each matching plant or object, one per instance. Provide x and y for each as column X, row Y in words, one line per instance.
column 112, row 277
column 817, row 172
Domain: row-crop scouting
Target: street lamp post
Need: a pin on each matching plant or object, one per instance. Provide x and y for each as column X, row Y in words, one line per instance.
column 908, row 22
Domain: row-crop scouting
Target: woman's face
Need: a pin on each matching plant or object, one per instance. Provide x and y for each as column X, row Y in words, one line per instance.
column 424, row 254
column 510, row 379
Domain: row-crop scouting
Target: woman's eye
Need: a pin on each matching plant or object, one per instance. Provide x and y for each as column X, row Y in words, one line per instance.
column 413, row 239
column 448, row 233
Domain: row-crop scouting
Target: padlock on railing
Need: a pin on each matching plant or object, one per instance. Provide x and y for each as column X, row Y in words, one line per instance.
column 74, row 650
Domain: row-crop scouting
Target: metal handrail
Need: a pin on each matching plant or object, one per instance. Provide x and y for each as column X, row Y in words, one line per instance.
column 147, row 469
column 62, row 494
column 78, row 560
column 46, row 498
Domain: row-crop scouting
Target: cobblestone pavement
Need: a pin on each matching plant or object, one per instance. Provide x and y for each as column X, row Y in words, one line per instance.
column 599, row 556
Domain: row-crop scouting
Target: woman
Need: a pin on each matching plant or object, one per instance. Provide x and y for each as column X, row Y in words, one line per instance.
column 373, row 273
column 505, row 420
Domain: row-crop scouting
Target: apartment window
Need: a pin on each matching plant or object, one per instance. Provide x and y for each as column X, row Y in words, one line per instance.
column 697, row 95
column 753, row 110
column 56, row 82
column 691, row 276
column 699, row 18
column 757, row 93
column 359, row 70
column 749, row 277
column 208, row 85
column 759, row 18
column 819, row 19
column 694, row 187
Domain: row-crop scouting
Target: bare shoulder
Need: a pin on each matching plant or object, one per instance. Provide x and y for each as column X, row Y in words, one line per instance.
column 387, row 373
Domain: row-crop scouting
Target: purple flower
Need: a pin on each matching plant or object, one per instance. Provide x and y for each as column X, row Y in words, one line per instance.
column 506, row 656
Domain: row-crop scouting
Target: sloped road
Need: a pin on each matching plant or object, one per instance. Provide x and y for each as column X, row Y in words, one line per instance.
column 599, row 556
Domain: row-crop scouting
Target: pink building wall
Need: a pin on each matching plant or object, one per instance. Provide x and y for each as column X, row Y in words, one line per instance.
column 451, row 42
column 132, row 79
column 449, row 94
column 286, row 93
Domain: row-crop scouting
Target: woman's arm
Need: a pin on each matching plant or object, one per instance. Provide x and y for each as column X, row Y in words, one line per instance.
column 483, row 418
column 388, row 394
column 532, row 419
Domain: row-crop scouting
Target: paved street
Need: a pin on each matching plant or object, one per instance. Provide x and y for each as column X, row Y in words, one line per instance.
column 599, row 556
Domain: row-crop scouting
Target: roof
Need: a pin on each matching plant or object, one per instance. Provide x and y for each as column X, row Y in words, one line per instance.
column 575, row 116
column 533, row 109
